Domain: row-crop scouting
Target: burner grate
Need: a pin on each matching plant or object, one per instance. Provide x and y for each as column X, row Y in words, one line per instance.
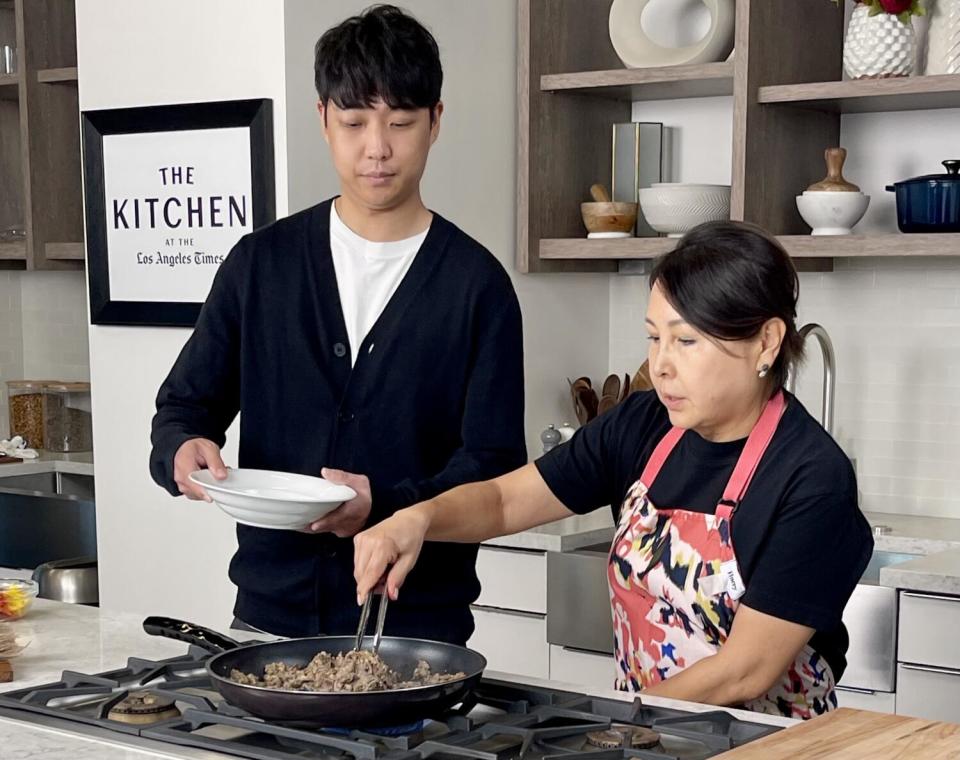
column 499, row 721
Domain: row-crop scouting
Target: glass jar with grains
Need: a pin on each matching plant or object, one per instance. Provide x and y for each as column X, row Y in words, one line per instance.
column 66, row 417
column 25, row 401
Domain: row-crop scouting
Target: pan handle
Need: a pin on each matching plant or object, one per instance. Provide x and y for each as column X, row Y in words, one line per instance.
column 180, row 630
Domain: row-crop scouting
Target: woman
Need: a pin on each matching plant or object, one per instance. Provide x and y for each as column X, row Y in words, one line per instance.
column 739, row 539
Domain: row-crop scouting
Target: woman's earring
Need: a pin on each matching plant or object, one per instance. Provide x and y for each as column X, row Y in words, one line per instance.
column 764, row 370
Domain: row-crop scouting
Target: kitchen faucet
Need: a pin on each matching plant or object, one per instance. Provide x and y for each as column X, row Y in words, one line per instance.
column 829, row 366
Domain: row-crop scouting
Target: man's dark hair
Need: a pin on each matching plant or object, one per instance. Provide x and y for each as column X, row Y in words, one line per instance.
column 382, row 53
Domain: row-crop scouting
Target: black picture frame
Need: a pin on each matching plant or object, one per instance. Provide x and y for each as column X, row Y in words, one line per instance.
column 254, row 114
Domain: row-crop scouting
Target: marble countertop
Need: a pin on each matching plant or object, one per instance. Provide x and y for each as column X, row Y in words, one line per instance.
column 564, row 535
column 935, row 540
column 915, row 535
column 908, row 534
column 937, row 573
column 91, row 640
column 80, row 463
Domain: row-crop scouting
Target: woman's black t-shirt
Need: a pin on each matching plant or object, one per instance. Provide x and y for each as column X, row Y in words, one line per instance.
column 801, row 541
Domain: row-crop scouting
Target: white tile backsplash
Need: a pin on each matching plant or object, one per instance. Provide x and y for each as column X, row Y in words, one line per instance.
column 11, row 341
column 55, row 325
column 43, row 330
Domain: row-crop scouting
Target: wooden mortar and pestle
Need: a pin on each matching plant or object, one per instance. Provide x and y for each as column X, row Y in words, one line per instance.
column 605, row 218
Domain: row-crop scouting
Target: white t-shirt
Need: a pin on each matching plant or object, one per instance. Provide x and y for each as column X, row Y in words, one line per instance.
column 368, row 274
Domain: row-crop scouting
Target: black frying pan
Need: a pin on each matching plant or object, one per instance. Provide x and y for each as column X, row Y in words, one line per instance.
column 396, row 707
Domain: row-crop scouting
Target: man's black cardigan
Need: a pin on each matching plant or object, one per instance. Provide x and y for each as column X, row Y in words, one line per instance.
column 434, row 400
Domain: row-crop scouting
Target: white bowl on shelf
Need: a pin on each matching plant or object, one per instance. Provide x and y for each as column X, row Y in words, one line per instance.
column 832, row 212
column 268, row 499
column 675, row 208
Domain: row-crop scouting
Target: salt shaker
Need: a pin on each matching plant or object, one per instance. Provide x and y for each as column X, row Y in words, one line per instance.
column 550, row 438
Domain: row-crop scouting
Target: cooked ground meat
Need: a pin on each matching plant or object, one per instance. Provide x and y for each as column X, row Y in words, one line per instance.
column 347, row 671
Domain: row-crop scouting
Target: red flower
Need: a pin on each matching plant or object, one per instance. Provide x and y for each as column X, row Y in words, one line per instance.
column 896, row 6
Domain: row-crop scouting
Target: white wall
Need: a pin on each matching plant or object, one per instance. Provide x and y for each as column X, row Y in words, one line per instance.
column 11, row 340
column 43, row 330
column 470, row 179
column 894, row 322
column 54, row 309
column 158, row 554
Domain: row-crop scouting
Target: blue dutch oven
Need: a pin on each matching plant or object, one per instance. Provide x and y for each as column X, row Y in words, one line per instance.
column 930, row 203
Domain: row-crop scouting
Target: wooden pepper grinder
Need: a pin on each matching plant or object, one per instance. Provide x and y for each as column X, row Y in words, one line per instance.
column 834, row 181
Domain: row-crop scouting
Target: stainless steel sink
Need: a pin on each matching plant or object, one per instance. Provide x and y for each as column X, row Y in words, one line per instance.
column 46, row 516
column 50, row 483
column 882, row 559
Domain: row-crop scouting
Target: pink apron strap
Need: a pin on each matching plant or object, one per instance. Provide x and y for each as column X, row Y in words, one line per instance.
column 753, row 452
column 659, row 455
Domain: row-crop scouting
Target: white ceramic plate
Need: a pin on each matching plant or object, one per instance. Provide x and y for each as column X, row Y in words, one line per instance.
column 267, row 499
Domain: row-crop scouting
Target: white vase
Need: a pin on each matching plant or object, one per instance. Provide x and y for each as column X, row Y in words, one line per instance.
column 878, row 46
column 943, row 38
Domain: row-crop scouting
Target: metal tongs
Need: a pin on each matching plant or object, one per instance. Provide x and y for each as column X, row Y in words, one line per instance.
column 365, row 615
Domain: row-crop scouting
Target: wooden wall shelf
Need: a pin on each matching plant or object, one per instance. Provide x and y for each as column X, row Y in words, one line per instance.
column 798, row 246
column 65, row 251
column 868, row 95
column 564, row 121
column 705, row 80
column 9, row 87
column 786, row 110
column 66, row 75
column 855, row 246
column 616, row 249
column 13, row 251
column 40, row 134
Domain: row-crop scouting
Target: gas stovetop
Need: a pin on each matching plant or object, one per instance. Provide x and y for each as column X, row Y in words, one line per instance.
column 173, row 701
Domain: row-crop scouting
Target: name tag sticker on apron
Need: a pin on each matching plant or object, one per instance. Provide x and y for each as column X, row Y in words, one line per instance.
column 732, row 580
column 712, row 585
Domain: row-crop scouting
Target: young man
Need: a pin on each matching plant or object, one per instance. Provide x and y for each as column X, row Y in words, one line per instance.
column 365, row 339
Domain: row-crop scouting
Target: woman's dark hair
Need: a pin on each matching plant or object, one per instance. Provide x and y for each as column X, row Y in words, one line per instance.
column 382, row 53
column 727, row 279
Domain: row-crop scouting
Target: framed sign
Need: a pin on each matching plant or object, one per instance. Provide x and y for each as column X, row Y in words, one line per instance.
column 168, row 191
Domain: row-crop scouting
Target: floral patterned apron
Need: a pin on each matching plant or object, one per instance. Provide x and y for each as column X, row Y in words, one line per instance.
column 674, row 585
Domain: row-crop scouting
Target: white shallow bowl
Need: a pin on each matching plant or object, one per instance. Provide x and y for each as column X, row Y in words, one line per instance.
column 832, row 213
column 677, row 207
column 267, row 499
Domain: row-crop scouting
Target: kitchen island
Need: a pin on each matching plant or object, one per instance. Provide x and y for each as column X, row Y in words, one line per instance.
column 90, row 640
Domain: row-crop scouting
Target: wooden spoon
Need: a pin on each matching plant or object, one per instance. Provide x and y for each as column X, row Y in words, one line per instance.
column 641, row 380
column 587, row 402
column 606, row 404
column 611, row 387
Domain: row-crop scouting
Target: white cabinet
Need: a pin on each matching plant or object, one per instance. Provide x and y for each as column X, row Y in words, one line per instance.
column 928, row 669
column 582, row 668
column 512, row 579
column 875, row 701
column 511, row 612
column 927, row 692
column 928, row 629
column 513, row 642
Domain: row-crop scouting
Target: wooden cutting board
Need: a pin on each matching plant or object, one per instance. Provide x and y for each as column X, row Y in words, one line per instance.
column 858, row 735
column 6, row 671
